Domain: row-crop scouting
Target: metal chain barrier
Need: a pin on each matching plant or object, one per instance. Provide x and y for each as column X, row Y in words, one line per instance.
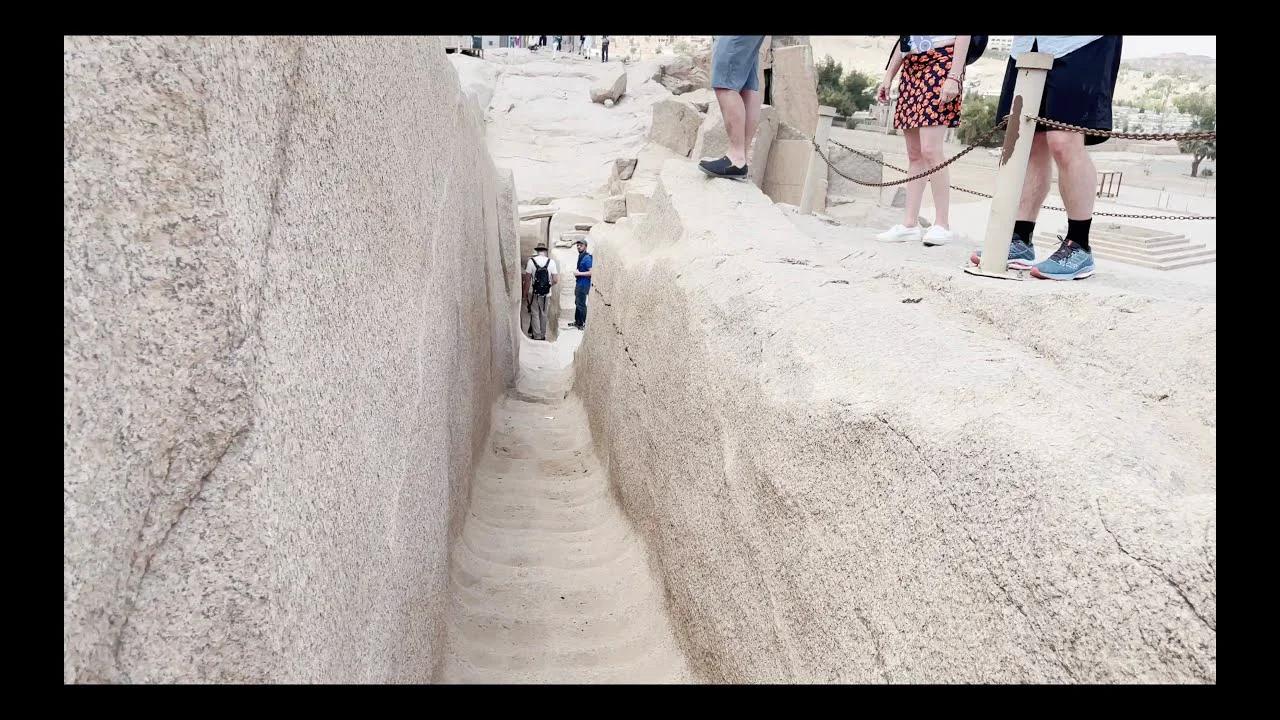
column 1209, row 135
column 977, row 143
column 1203, row 135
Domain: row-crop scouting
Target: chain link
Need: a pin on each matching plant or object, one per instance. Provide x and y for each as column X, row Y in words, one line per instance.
column 917, row 176
column 1206, row 135
column 987, row 135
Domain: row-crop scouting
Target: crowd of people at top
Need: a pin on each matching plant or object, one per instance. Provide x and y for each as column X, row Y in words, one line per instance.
column 586, row 44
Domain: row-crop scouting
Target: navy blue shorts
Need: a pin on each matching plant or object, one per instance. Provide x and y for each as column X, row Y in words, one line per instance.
column 735, row 62
column 1078, row 89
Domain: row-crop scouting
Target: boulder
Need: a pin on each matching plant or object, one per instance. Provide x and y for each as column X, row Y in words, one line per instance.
column 794, row 88
column 638, row 194
column 625, row 168
column 609, row 85
column 615, row 207
column 713, row 142
column 675, row 125
column 700, row 98
column 682, row 74
column 856, row 166
column 784, row 175
column 240, row 491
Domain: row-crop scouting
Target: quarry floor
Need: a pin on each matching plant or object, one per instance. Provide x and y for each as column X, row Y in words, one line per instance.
column 549, row 583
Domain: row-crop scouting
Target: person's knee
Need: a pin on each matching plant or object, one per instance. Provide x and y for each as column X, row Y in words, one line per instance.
column 1064, row 146
column 915, row 153
column 931, row 153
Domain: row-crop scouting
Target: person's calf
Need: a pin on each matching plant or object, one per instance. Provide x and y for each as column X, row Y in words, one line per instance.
column 1078, row 232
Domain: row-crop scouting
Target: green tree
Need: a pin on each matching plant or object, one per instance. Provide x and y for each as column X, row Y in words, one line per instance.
column 977, row 118
column 846, row 93
column 1204, row 106
column 829, row 72
column 859, row 86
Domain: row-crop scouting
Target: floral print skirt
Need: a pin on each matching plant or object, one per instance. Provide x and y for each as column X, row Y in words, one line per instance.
column 920, row 91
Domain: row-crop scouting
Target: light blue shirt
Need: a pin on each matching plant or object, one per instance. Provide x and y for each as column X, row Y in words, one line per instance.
column 1056, row 45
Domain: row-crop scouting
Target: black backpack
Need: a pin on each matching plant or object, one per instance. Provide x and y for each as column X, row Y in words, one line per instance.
column 977, row 46
column 542, row 277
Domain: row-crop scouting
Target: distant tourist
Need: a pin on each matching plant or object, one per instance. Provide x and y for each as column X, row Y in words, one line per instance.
column 734, row 77
column 604, row 48
column 582, row 286
column 1078, row 90
column 540, row 275
column 542, row 40
column 558, row 38
column 929, row 97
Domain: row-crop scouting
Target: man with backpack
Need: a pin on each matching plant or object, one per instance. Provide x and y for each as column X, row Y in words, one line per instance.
column 540, row 275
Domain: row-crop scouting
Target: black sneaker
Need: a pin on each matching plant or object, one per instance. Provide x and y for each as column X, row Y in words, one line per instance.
column 724, row 168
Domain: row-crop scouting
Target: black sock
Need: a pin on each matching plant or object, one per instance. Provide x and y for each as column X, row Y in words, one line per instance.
column 1078, row 232
column 1024, row 229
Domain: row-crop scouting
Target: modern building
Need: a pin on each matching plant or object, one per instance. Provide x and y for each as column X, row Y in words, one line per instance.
column 1002, row 43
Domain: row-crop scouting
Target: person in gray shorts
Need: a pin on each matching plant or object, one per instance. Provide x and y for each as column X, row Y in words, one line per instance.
column 735, row 74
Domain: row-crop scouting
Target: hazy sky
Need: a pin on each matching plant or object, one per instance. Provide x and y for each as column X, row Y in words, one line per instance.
column 1136, row 46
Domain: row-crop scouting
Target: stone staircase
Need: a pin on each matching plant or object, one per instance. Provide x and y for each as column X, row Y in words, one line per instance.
column 1139, row 246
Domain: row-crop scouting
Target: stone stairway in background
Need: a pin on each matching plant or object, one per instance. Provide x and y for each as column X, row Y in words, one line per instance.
column 1139, row 246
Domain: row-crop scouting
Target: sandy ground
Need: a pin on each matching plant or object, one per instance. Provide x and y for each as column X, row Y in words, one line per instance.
column 549, row 582
column 977, row 171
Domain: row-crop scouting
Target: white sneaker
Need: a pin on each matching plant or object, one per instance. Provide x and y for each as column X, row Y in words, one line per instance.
column 900, row 233
column 938, row 235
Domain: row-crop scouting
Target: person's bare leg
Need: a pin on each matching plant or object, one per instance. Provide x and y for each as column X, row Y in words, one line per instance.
column 931, row 149
column 735, row 119
column 1036, row 186
column 915, row 188
column 751, row 100
column 1077, row 176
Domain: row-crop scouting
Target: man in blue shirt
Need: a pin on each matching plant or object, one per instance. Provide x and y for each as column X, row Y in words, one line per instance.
column 582, row 286
column 1078, row 91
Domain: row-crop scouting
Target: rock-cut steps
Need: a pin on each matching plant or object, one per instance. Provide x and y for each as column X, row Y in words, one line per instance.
column 549, row 584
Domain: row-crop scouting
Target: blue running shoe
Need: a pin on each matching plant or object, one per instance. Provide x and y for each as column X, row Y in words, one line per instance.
column 1069, row 262
column 1022, row 256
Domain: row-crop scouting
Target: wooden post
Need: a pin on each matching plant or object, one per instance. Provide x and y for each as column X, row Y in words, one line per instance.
column 1012, row 173
column 815, row 181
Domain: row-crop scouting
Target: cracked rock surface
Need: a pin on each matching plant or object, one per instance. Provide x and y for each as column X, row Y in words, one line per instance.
column 275, row 249
column 855, row 466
